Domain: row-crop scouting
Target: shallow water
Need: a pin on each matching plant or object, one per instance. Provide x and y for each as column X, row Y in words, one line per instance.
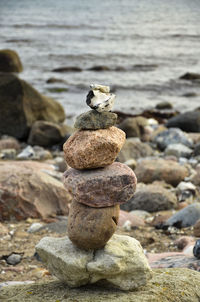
column 146, row 45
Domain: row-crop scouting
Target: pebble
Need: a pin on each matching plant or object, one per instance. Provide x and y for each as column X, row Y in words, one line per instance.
column 26, row 153
column 14, row 259
column 35, row 227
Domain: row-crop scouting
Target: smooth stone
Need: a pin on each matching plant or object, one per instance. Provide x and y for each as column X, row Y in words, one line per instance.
column 90, row 228
column 10, row 61
column 188, row 121
column 164, row 105
column 178, row 150
column 134, row 126
column 134, row 149
column 14, row 259
column 196, row 249
column 114, row 184
column 26, row 191
column 35, row 227
column 172, row 136
column 26, row 153
column 195, row 179
column 184, row 218
column 149, row 170
column 8, row 154
column 151, row 198
column 196, row 230
column 121, row 262
column 93, row 120
column 9, row 143
column 89, row 149
column 46, row 134
column 134, row 220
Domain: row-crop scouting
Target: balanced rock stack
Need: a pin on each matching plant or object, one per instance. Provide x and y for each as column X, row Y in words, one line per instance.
column 98, row 184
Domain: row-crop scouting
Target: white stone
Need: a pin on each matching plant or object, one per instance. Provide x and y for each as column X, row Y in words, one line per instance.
column 121, row 262
column 102, row 88
column 34, row 227
column 99, row 98
column 26, row 153
column 178, row 150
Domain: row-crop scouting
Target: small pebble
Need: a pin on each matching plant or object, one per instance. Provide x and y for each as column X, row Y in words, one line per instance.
column 14, row 259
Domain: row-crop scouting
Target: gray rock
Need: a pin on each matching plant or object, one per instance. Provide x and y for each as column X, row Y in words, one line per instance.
column 120, row 263
column 8, row 154
column 151, row 198
column 172, row 136
column 185, row 217
column 188, row 121
column 134, row 149
column 26, row 153
column 179, row 261
column 14, row 259
column 197, row 149
column 178, row 150
column 95, row 120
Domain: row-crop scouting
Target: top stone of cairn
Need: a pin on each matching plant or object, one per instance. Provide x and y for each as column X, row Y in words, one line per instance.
column 99, row 98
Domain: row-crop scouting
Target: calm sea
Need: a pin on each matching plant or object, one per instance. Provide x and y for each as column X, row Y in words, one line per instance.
column 145, row 46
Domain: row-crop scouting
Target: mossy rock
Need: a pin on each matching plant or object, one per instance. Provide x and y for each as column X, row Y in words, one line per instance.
column 167, row 285
column 21, row 105
column 10, row 61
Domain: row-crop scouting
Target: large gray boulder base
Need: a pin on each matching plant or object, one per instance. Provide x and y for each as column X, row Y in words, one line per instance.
column 120, row 263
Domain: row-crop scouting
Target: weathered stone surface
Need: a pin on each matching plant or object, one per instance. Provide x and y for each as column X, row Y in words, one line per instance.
column 103, row 187
column 188, row 121
column 93, row 120
column 172, row 136
column 160, row 288
column 196, row 177
column 170, row 171
column 134, row 126
column 10, row 61
column 88, row 149
column 26, row 191
column 197, row 228
column 151, row 198
column 185, row 217
column 178, row 150
column 46, row 134
column 90, row 228
column 21, row 100
column 121, row 262
column 134, row 148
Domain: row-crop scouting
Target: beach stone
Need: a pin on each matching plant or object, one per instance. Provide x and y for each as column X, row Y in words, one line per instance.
column 120, row 263
column 10, row 61
column 196, row 231
column 88, row 149
column 184, row 218
column 18, row 98
column 164, row 105
column 134, row 126
column 178, row 150
column 149, row 170
column 188, row 121
column 197, row 149
column 190, row 76
column 9, row 143
column 46, row 134
column 90, row 228
column 134, row 220
column 151, row 198
column 14, row 259
column 8, row 154
column 172, row 136
column 196, row 251
column 26, row 191
column 160, row 288
column 195, row 179
column 131, row 163
column 103, row 187
column 134, row 149
column 93, row 120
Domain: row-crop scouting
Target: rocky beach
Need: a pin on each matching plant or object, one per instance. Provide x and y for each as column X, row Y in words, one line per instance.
column 95, row 203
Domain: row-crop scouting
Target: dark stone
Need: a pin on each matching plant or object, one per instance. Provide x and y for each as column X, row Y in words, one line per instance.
column 164, row 105
column 99, row 68
column 196, row 249
column 67, row 69
column 10, row 61
column 21, row 105
column 95, row 120
column 197, row 149
column 188, row 121
column 191, row 76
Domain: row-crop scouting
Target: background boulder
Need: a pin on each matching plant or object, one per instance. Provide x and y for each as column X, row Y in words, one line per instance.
column 10, row 61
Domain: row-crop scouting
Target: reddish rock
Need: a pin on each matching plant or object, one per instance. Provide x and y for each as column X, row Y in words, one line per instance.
column 88, row 149
column 26, row 191
column 126, row 216
column 90, row 228
column 149, row 170
column 184, row 241
column 197, row 229
column 103, row 187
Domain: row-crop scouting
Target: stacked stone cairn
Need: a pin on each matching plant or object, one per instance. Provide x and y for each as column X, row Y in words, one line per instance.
column 98, row 185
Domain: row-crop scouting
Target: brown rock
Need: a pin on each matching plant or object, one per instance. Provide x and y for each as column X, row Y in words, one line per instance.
column 88, row 149
column 149, row 170
column 197, row 229
column 134, row 220
column 26, row 191
column 90, row 228
column 9, row 143
column 103, row 187
column 134, row 126
column 10, row 61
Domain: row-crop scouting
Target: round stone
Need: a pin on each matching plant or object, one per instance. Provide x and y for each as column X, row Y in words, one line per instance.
column 90, row 228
